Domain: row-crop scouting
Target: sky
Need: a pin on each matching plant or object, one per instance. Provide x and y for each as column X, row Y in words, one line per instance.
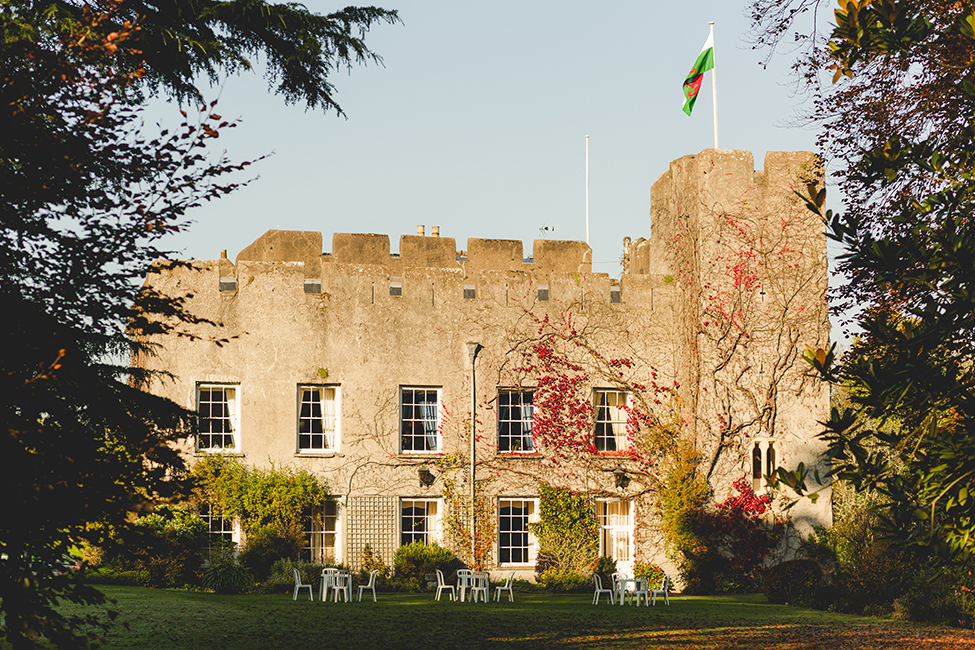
column 477, row 119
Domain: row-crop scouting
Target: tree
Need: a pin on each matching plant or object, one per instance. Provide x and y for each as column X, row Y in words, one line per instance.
column 86, row 202
column 891, row 82
column 181, row 40
column 909, row 173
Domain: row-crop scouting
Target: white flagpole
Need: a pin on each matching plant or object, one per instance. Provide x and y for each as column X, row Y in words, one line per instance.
column 587, row 189
column 714, row 86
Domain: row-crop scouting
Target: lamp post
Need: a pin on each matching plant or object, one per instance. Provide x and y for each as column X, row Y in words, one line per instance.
column 472, row 349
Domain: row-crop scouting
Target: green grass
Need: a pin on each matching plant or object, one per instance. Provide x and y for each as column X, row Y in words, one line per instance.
column 178, row 620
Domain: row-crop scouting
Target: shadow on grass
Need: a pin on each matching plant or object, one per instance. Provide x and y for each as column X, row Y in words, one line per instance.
column 176, row 620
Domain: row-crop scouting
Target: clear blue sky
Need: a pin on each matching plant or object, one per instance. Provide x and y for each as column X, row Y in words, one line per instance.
column 477, row 121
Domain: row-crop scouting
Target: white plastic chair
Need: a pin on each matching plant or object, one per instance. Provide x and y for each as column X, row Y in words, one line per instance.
column 328, row 579
column 465, row 581
column 508, row 583
column 599, row 590
column 342, row 584
column 482, row 586
column 443, row 586
column 641, row 590
column 371, row 585
column 299, row 585
column 662, row 590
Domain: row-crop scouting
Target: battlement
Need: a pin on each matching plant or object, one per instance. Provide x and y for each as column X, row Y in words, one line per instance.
column 419, row 251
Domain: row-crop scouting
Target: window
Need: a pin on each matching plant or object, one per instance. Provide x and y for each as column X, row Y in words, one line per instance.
column 470, row 292
column 516, row 544
column 419, row 521
column 217, row 417
column 221, row 529
column 419, row 417
column 616, row 532
column 317, row 418
column 612, row 415
column 543, row 293
column 515, row 417
column 396, row 286
column 320, row 534
column 762, row 448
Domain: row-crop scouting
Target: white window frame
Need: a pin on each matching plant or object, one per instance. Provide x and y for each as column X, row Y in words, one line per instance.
column 231, row 418
column 322, row 526
column 618, row 420
column 327, row 419
column 615, row 529
column 431, row 520
column 219, row 527
column 530, row 546
column 507, row 437
column 407, row 425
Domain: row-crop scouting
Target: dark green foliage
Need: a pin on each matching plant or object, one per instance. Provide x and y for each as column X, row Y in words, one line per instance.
column 605, row 567
column 225, row 576
column 182, row 41
column 414, row 561
column 263, row 548
column 273, row 502
column 281, row 578
column 170, row 545
column 109, row 576
column 567, row 531
column 723, row 547
column 796, row 582
column 564, row 582
column 374, row 561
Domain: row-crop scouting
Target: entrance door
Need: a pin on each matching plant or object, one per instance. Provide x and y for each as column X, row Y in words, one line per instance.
column 616, row 533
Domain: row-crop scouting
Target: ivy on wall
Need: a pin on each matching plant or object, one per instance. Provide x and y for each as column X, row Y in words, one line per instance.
column 567, row 531
column 275, row 499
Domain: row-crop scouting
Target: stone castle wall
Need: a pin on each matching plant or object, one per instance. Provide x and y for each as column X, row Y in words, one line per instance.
column 371, row 323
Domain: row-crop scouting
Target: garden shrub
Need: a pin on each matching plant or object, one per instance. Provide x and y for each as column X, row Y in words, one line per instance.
column 263, row 548
column 122, row 578
column 170, row 545
column 797, row 582
column 545, row 562
column 414, row 561
column 653, row 572
column 226, row 577
column 722, row 548
column 372, row 561
column 605, row 567
column 281, row 577
column 564, row 582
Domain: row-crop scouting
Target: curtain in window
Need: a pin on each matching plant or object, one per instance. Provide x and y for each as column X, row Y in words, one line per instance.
column 328, row 416
column 526, row 421
column 429, row 411
column 618, row 416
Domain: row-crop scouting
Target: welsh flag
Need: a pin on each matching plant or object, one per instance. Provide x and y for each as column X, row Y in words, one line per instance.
column 692, row 84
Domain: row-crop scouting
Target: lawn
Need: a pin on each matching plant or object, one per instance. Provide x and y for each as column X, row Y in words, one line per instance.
column 181, row 620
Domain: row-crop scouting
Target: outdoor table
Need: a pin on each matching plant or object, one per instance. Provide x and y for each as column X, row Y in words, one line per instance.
column 622, row 582
column 465, row 580
column 328, row 579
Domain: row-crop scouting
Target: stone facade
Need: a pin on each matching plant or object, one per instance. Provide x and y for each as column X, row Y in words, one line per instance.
column 356, row 364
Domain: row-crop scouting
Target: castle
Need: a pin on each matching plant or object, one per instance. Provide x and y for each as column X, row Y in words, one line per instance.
column 368, row 367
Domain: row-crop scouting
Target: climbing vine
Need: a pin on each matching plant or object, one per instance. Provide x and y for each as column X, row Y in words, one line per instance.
column 567, row 531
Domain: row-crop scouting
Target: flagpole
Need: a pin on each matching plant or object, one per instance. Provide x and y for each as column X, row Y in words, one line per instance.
column 714, row 88
column 587, row 190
